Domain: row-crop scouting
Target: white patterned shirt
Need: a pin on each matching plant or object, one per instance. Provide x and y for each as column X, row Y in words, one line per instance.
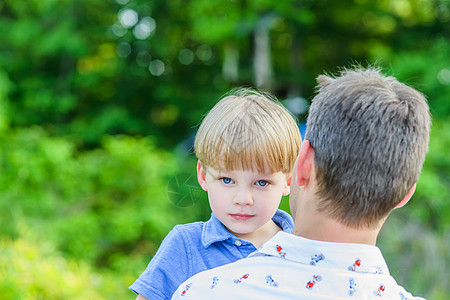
column 293, row 267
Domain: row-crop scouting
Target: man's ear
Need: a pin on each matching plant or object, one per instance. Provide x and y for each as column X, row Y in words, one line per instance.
column 305, row 163
column 287, row 188
column 201, row 175
column 407, row 197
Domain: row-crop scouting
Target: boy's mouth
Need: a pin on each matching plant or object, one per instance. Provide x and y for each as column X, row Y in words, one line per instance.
column 241, row 217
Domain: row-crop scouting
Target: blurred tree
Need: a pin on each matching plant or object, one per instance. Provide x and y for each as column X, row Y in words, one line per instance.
column 87, row 68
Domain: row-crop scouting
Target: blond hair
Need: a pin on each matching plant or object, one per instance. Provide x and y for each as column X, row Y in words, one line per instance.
column 370, row 135
column 248, row 130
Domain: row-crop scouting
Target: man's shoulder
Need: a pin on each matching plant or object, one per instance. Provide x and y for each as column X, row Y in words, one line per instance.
column 214, row 283
column 271, row 277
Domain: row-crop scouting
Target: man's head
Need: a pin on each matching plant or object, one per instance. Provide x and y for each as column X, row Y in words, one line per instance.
column 370, row 135
column 248, row 130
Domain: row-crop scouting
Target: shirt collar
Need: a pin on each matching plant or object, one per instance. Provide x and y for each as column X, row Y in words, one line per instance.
column 214, row 231
column 284, row 221
column 354, row 257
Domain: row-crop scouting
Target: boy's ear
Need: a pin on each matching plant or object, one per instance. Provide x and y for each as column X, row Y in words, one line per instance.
column 201, row 175
column 407, row 197
column 287, row 188
column 305, row 163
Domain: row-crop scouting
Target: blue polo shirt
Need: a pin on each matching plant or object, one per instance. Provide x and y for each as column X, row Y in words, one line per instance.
column 192, row 248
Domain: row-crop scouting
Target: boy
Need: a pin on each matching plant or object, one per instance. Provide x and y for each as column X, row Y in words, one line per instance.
column 246, row 147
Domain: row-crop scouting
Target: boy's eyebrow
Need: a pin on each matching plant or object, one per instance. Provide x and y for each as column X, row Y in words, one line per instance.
column 215, row 172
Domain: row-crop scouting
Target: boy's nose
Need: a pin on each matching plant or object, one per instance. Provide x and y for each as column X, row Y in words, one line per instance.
column 243, row 197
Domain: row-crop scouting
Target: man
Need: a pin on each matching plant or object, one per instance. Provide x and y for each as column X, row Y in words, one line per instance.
column 366, row 140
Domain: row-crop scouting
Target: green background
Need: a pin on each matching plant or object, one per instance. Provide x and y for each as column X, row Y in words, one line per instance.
column 99, row 101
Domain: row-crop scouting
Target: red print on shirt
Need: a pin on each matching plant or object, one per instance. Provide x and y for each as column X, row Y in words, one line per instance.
column 242, row 278
column 379, row 291
column 280, row 252
column 186, row 289
column 356, row 264
column 310, row 284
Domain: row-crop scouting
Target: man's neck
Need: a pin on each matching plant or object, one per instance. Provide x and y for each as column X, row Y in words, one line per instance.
column 322, row 228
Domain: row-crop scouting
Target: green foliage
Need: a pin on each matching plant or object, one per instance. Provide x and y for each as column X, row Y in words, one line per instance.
column 417, row 257
column 31, row 268
column 5, row 87
column 427, row 69
column 433, row 188
column 78, row 68
column 97, row 216
column 109, row 199
column 96, row 211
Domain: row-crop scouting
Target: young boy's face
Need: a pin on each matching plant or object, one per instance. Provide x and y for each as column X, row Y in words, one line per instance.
column 244, row 201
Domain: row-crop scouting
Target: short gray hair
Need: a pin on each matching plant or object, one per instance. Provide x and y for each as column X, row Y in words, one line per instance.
column 370, row 135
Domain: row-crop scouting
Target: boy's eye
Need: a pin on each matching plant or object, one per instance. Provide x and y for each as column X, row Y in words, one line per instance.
column 262, row 182
column 226, row 180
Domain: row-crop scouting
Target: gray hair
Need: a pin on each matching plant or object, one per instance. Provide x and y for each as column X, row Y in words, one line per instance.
column 370, row 135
